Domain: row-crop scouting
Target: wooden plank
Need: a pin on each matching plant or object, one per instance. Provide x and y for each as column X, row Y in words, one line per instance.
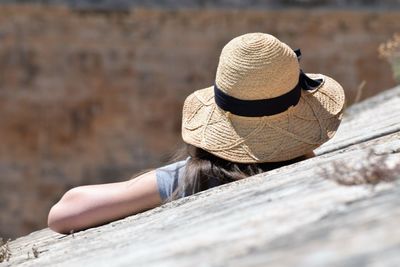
column 295, row 215
column 257, row 221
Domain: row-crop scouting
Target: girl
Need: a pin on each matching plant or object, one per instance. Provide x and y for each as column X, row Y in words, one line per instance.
column 263, row 112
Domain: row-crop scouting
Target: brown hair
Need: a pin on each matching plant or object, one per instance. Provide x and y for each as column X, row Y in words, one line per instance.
column 202, row 165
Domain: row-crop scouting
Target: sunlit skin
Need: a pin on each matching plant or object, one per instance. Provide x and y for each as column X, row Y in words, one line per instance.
column 91, row 205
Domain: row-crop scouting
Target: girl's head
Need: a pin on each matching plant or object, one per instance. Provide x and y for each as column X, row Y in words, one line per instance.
column 262, row 107
column 262, row 112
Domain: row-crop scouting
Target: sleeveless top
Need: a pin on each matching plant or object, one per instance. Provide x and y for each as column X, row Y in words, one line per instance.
column 170, row 176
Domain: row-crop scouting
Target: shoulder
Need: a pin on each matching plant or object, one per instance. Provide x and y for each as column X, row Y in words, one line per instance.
column 168, row 177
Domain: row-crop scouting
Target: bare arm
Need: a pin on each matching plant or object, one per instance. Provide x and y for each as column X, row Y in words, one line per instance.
column 86, row 206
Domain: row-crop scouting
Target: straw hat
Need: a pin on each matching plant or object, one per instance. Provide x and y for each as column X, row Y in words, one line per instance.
column 262, row 107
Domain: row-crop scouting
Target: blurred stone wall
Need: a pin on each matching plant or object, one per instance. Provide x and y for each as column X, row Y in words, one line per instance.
column 124, row 4
column 90, row 96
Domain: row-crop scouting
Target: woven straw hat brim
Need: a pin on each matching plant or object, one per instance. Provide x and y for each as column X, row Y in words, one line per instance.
column 293, row 133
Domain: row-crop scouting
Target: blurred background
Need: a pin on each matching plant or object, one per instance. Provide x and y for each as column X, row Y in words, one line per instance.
column 92, row 91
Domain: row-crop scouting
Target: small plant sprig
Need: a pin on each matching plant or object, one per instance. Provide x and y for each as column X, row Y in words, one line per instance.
column 390, row 50
column 5, row 252
column 370, row 170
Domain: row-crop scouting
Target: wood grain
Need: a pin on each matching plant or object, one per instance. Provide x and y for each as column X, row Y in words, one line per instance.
column 297, row 215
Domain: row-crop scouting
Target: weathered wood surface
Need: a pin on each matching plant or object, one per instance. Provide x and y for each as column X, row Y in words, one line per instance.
column 293, row 216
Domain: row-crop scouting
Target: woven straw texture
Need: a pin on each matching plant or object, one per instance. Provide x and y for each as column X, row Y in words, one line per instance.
column 259, row 66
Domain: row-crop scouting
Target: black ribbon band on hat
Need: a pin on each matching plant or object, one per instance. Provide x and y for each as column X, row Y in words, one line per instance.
column 266, row 107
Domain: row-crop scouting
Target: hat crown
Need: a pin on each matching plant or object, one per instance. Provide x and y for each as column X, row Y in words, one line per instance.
column 257, row 66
